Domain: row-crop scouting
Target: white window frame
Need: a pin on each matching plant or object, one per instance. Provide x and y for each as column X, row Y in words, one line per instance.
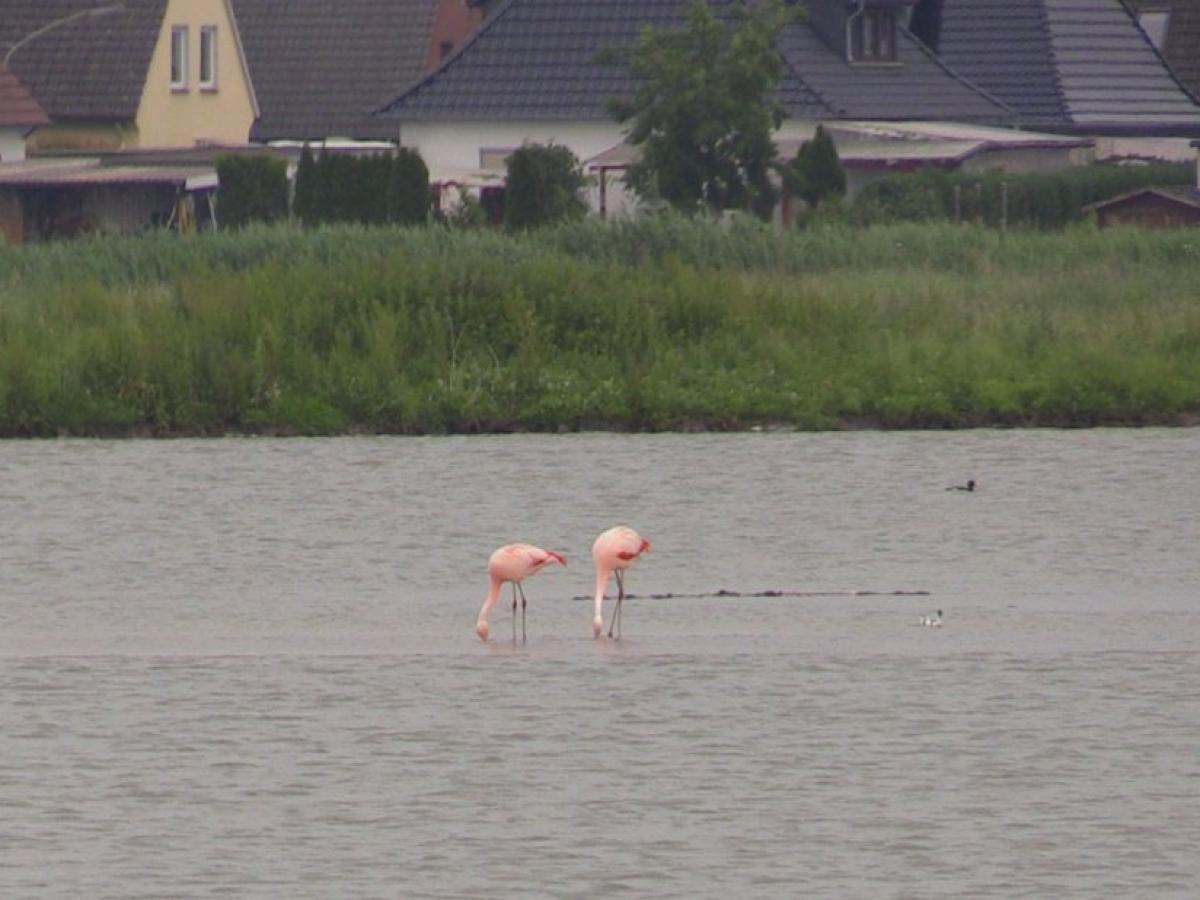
column 208, row 57
column 179, row 57
column 873, row 36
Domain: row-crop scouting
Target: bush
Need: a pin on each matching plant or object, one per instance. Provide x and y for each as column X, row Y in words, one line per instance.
column 253, row 189
column 816, row 172
column 544, row 183
column 408, row 189
column 304, row 202
column 1050, row 200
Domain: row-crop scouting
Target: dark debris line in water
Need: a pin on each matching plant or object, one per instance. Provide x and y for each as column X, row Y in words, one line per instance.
column 770, row 593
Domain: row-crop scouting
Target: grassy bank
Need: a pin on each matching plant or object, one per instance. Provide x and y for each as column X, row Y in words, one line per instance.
column 658, row 324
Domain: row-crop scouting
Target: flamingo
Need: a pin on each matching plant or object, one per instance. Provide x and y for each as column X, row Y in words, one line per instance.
column 614, row 552
column 513, row 563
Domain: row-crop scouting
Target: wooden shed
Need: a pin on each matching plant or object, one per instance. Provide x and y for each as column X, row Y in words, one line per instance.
column 1161, row 207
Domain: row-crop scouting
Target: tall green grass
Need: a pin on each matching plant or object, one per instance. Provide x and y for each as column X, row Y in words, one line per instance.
column 657, row 324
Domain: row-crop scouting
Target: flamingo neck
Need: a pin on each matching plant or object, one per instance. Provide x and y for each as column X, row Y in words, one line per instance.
column 601, row 583
column 481, row 626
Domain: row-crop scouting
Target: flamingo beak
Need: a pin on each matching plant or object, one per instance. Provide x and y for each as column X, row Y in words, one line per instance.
column 481, row 629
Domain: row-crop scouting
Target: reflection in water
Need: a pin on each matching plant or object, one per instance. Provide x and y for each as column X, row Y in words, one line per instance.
column 248, row 667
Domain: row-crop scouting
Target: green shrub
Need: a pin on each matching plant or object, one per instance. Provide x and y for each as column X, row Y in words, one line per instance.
column 816, row 172
column 408, row 198
column 544, row 184
column 252, row 189
column 304, row 200
column 1051, row 200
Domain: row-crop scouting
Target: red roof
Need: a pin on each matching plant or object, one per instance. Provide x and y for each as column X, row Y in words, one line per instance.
column 17, row 106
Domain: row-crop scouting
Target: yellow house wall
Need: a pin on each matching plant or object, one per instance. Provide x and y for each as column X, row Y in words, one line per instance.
column 182, row 118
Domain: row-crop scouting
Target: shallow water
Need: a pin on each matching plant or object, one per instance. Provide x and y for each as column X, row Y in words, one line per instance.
column 247, row 668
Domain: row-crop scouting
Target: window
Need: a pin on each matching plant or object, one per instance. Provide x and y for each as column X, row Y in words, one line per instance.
column 208, row 57
column 873, row 36
column 1154, row 23
column 179, row 60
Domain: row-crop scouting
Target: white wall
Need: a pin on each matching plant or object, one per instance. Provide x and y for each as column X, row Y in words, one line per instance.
column 455, row 146
column 12, row 144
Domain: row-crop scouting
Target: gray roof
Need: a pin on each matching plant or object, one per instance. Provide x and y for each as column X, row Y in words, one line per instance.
column 92, row 66
column 1184, row 195
column 535, row 60
column 320, row 67
column 1082, row 66
column 1182, row 48
column 17, row 106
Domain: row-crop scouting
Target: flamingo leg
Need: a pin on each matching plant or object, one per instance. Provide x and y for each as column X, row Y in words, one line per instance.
column 522, row 590
column 616, row 616
column 514, row 611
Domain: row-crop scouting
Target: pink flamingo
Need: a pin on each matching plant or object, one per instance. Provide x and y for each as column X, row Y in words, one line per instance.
column 614, row 552
column 513, row 563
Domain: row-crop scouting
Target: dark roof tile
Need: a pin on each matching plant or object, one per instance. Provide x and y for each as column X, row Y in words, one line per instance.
column 320, row 67
column 536, row 59
column 82, row 59
column 1069, row 65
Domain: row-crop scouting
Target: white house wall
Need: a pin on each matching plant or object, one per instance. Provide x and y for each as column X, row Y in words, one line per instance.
column 12, row 144
column 456, row 149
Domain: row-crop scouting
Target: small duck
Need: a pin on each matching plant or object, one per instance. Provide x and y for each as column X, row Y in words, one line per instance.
column 969, row 486
column 932, row 621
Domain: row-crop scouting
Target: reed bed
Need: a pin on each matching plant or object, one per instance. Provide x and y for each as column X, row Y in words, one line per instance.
column 657, row 324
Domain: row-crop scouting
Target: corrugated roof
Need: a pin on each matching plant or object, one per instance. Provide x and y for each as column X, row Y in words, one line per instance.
column 536, row 60
column 91, row 174
column 320, row 68
column 1075, row 65
column 82, row 59
column 17, row 106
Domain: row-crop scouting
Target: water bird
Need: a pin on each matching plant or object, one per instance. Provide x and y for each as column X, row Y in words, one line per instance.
column 969, row 486
column 614, row 551
column 513, row 563
column 932, row 621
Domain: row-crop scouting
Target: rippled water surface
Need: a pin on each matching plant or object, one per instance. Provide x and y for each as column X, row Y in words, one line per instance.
column 247, row 668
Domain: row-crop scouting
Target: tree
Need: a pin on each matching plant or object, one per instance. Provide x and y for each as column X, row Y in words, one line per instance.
column 543, row 186
column 408, row 198
column 304, row 201
column 817, row 171
column 252, row 189
column 704, row 111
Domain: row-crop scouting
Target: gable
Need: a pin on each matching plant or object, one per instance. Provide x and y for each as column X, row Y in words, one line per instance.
column 82, row 60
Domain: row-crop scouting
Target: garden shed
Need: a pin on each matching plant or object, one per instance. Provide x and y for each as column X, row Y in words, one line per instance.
column 1158, row 207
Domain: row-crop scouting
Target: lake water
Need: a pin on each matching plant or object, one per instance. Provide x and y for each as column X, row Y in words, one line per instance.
column 247, row 668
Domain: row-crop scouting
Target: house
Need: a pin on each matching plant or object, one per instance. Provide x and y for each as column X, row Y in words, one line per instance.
column 19, row 114
column 530, row 73
column 1154, row 207
column 1165, row 207
column 134, row 73
column 320, row 68
column 1081, row 67
column 1173, row 27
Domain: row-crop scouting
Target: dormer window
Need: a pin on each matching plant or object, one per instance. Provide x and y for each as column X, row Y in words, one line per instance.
column 873, row 35
column 1155, row 22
